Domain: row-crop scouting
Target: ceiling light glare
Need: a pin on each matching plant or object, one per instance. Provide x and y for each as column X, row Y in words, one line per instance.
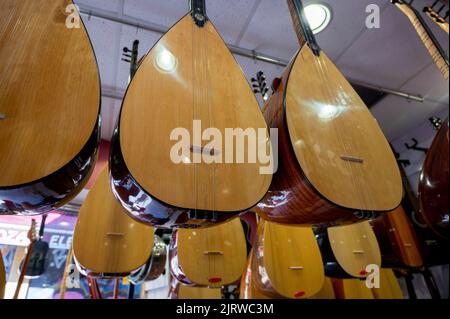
column 319, row 17
column 166, row 61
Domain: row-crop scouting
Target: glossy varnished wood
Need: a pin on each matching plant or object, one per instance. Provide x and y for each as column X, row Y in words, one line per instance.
column 2, row 277
column 107, row 242
column 247, row 289
column 157, row 102
column 397, row 239
column 287, row 261
column 389, row 286
column 50, row 99
column 433, row 186
column 355, row 246
column 327, row 120
column 213, row 256
column 334, row 158
column 155, row 266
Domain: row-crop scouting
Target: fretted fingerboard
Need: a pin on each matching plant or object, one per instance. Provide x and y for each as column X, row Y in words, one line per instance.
column 426, row 39
column 296, row 21
column 440, row 21
column 431, row 47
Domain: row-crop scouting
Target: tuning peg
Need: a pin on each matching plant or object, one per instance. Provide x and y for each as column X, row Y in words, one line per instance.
column 125, row 60
column 254, row 80
column 256, row 91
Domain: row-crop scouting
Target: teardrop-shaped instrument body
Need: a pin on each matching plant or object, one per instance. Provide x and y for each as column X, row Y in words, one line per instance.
column 188, row 87
column 49, row 105
column 105, row 238
column 334, row 159
column 213, row 256
column 287, row 261
column 433, row 186
column 355, row 247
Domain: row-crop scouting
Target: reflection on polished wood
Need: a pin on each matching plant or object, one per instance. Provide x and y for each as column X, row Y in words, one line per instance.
column 433, row 185
column 202, row 82
column 213, row 256
column 355, row 247
column 389, row 286
column 2, row 277
column 49, row 101
column 107, row 242
column 334, row 158
column 247, row 289
column 287, row 261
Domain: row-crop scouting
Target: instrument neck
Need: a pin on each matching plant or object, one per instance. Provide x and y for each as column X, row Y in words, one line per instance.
column 42, row 227
column 302, row 27
column 198, row 12
column 134, row 59
column 434, row 48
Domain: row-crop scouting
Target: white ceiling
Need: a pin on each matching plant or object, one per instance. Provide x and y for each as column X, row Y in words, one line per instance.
column 392, row 56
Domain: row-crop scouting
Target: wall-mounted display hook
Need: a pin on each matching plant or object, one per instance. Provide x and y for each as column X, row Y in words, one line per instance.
column 415, row 147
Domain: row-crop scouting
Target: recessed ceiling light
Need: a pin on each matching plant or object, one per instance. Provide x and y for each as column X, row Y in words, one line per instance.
column 319, row 16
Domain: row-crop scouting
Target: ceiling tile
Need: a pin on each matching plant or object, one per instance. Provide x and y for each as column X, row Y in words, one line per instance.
column 388, row 56
column 108, row 5
column 165, row 13
column 397, row 115
column 104, row 36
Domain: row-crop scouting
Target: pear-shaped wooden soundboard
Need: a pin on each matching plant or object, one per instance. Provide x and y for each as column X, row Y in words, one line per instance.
column 107, row 242
column 213, row 256
column 389, row 286
column 291, row 260
column 2, row 278
column 49, row 104
column 180, row 81
column 355, row 247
